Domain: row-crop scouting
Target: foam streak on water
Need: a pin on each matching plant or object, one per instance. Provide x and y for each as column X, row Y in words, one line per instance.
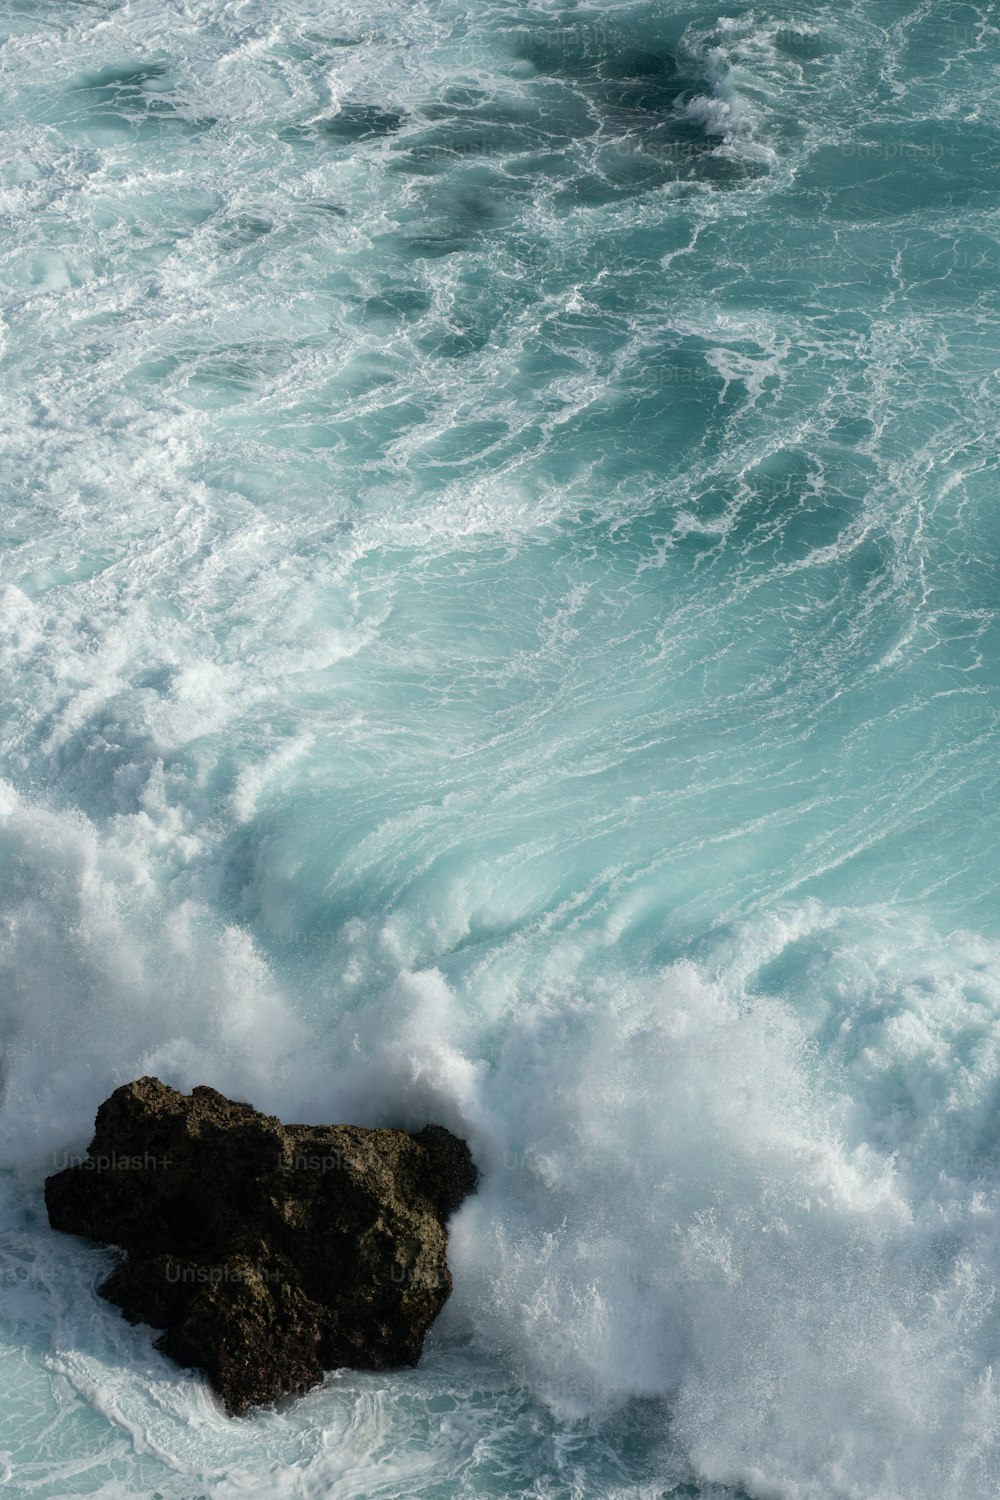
column 498, row 623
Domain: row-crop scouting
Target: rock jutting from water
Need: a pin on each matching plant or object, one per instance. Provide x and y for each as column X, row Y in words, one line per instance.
column 268, row 1253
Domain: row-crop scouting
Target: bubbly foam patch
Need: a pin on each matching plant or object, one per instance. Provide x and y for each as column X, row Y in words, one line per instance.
column 721, row 1191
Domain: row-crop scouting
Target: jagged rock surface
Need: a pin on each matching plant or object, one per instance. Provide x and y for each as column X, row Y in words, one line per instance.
column 268, row 1253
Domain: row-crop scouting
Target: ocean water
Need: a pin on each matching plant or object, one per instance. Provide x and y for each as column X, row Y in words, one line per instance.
column 499, row 624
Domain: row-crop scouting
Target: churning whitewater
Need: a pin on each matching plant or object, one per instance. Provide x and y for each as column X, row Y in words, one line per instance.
column 499, row 625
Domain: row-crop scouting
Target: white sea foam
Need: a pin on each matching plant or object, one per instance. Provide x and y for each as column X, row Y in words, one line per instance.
column 770, row 1216
column 497, row 625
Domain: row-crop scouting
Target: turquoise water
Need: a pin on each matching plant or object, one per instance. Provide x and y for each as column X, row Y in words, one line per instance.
column 499, row 624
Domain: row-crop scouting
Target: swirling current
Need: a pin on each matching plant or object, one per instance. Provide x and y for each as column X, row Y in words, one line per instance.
column 499, row 624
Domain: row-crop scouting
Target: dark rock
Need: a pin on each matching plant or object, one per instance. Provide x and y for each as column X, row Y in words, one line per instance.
column 269, row 1253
